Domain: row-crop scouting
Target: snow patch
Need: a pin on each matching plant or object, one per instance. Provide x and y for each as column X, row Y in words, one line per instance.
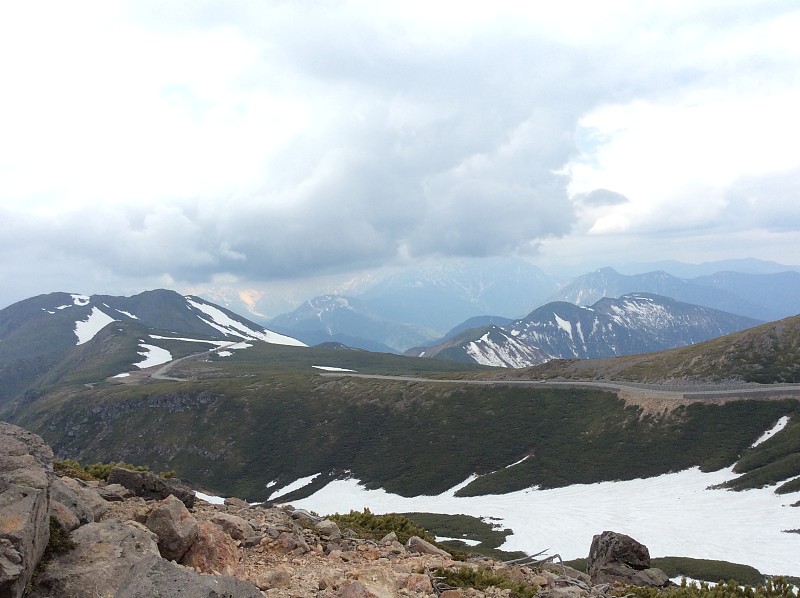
column 228, row 326
column 296, row 485
column 122, row 375
column 770, row 433
column 224, row 353
column 80, row 300
column 466, row 541
column 671, row 514
column 86, row 329
column 564, row 325
column 126, row 313
column 328, row 368
column 214, row 500
column 152, row 356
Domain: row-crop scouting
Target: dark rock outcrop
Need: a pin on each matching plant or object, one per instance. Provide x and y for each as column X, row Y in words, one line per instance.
column 157, row 577
column 150, row 486
column 26, row 471
column 615, row 557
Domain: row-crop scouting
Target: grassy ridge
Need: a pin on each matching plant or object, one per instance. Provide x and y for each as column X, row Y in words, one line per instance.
column 765, row 354
column 265, row 414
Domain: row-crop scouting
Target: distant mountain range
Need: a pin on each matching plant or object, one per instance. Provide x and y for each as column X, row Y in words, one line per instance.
column 416, row 306
column 760, row 296
column 634, row 323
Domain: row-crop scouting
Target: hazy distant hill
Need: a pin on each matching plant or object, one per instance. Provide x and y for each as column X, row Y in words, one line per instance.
column 440, row 297
column 347, row 320
column 634, row 323
column 760, row 296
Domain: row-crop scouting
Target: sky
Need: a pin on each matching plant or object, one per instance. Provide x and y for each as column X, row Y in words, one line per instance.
column 289, row 148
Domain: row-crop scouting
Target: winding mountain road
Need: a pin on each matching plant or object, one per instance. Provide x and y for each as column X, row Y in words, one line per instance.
column 626, row 390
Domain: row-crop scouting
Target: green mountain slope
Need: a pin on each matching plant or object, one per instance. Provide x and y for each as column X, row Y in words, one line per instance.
column 265, row 414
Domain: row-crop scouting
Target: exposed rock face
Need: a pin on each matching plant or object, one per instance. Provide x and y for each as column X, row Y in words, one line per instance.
column 149, row 485
column 154, row 576
column 26, row 470
column 175, row 527
column 615, row 557
column 85, row 503
column 104, row 553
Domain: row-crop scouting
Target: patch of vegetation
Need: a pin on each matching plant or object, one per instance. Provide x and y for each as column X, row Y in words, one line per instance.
column 774, row 588
column 59, row 543
column 468, row 528
column 482, row 578
column 709, row 570
column 368, row 525
column 98, row 471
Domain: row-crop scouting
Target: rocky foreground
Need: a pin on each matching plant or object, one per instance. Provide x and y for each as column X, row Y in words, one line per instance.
column 141, row 536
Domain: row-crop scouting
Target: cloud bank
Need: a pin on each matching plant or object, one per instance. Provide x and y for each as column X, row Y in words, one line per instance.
column 263, row 142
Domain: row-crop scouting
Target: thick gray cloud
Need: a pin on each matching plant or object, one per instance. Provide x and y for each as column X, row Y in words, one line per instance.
column 275, row 141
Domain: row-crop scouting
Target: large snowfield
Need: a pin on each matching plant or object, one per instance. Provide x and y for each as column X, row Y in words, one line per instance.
column 675, row 514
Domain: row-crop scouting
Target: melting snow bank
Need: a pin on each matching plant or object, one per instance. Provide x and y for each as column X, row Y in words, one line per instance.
column 328, row 368
column 673, row 515
column 296, row 485
column 770, row 433
column 86, row 329
column 214, row 500
column 152, row 356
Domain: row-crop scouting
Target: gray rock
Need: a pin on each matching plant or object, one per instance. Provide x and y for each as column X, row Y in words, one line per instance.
column 114, row 492
column 417, row 544
column 330, row 529
column 156, row 578
column 236, row 527
column 26, row 471
column 103, row 556
column 72, row 499
column 232, row 501
column 150, row 486
column 617, row 557
column 175, row 527
column 90, row 497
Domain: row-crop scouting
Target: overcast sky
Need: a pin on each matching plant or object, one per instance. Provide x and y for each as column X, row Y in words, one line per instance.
column 262, row 146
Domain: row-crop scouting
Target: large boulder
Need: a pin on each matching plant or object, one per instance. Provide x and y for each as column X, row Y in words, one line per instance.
column 102, row 557
column 150, row 486
column 175, row 527
column 615, row 557
column 26, row 471
column 153, row 576
column 417, row 544
column 214, row 551
column 235, row 526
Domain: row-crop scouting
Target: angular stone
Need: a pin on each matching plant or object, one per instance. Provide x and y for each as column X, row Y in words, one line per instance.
column 615, row 557
column 64, row 516
column 232, row 501
column 103, row 555
column 175, row 527
column 150, row 486
column 418, row 582
column 213, row 551
column 90, row 497
column 157, row 577
column 329, row 528
column 26, row 472
column 417, row 544
column 114, row 492
column 236, row 527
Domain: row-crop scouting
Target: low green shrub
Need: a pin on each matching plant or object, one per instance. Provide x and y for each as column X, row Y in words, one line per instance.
column 774, row 588
column 480, row 579
column 98, row 471
column 368, row 525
